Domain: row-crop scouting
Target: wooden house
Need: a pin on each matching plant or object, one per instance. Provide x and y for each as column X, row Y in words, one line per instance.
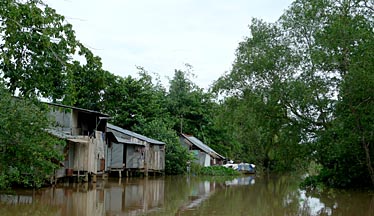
column 85, row 134
column 204, row 155
column 129, row 151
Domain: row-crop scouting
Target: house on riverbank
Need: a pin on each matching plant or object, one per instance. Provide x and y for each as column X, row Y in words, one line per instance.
column 204, row 155
column 85, row 134
column 131, row 152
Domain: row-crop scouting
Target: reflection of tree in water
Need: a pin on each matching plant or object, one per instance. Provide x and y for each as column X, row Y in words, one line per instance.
column 269, row 196
column 11, row 205
column 342, row 202
column 182, row 193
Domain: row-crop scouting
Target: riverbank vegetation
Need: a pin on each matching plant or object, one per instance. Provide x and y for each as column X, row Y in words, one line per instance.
column 212, row 171
column 300, row 90
column 28, row 154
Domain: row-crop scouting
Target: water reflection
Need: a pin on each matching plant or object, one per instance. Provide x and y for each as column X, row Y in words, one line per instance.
column 245, row 195
column 134, row 196
column 247, row 180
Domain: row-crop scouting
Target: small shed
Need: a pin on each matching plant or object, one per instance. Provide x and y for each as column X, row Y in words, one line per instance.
column 129, row 151
column 204, row 155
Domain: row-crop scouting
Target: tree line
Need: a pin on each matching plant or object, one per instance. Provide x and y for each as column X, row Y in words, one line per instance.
column 300, row 90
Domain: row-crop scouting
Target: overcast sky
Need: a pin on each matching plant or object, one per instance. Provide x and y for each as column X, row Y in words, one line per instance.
column 163, row 35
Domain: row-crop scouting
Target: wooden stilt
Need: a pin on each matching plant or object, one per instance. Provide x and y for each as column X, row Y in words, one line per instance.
column 86, row 177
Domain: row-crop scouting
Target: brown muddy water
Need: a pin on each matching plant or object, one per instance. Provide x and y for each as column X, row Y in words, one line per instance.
column 247, row 195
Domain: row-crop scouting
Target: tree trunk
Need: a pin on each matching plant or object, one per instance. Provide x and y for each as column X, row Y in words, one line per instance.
column 368, row 160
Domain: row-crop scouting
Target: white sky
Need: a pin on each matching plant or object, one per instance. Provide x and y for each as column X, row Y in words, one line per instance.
column 163, row 35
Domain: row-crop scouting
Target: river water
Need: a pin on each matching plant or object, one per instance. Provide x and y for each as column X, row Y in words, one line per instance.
column 186, row 195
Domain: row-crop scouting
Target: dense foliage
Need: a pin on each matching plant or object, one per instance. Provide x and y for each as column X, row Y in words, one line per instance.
column 301, row 88
column 37, row 50
column 28, row 154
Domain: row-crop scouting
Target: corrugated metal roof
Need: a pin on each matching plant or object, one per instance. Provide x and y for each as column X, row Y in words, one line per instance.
column 201, row 145
column 79, row 140
column 63, row 135
column 126, row 141
column 59, row 134
column 133, row 134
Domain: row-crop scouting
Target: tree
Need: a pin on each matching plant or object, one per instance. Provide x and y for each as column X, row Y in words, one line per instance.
column 85, row 82
column 350, row 55
column 28, row 154
column 38, row 56
column 260, row 105
column 132, row 102
column 36, row 48
column 189, row 105
column 304, row 81
column 139, row 105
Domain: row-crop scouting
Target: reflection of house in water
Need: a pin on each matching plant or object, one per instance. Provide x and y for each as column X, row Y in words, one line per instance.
column 204, row 190
column 16, row 199
column 199, row 193
column 139, row 198
column 131, row 197
column 75, row 201
column 246, row 180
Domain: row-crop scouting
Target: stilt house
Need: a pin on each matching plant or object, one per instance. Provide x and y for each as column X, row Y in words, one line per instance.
column 129, row 151
column 85, row 134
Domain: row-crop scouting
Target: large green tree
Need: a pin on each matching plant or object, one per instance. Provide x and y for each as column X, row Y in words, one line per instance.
column 189, row 105
column 346, row 51
column 261, row 105
column 304, row 81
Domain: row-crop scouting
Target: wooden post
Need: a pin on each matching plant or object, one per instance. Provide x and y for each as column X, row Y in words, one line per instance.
column 119, row 173
column 146, row 159
column 86, row 177
column 75, row 145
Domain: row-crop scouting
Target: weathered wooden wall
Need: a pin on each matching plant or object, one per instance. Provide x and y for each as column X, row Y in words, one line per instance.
column 156, row 157
column 135, row 156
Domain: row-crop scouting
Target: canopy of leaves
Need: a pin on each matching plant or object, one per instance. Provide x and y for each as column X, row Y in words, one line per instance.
column 38, row 50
